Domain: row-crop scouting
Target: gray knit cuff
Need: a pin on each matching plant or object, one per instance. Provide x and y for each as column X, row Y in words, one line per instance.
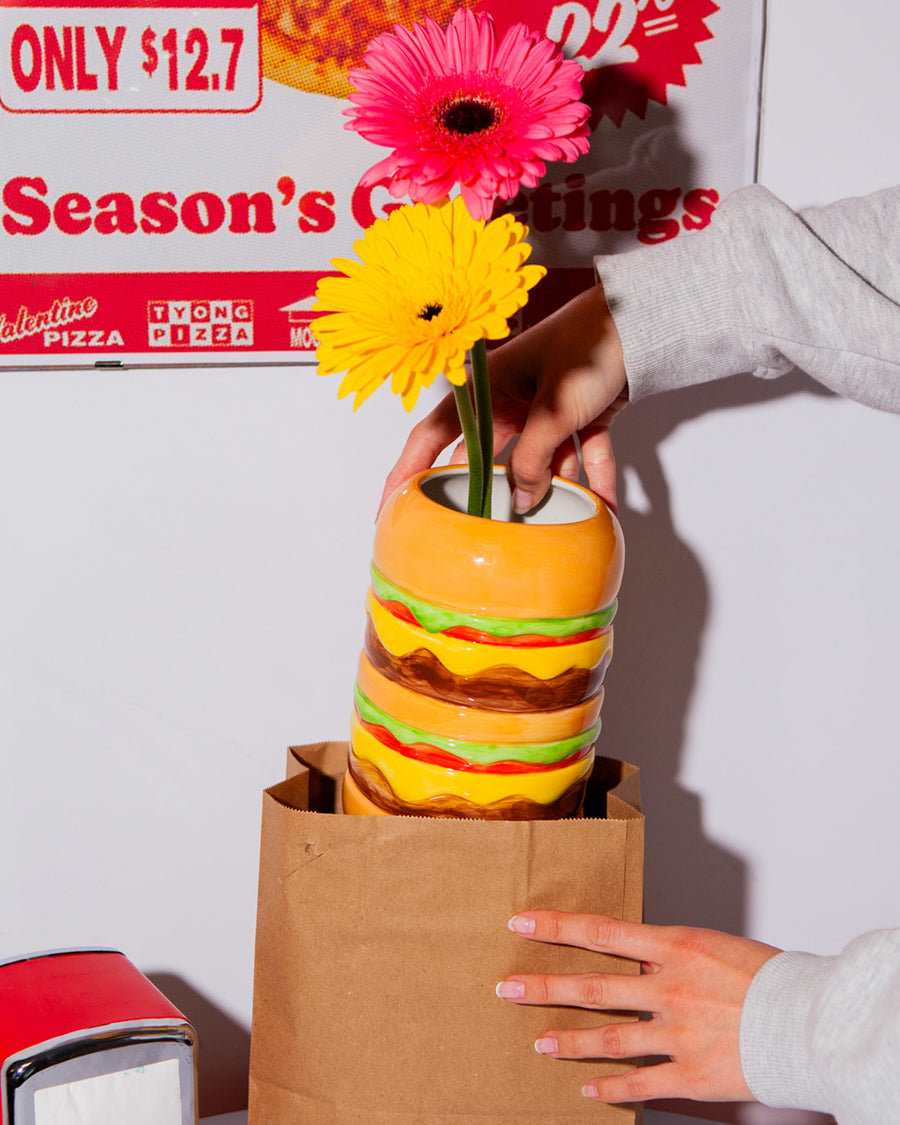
column 676, row 328
column 680, row 307
column 776, row 1029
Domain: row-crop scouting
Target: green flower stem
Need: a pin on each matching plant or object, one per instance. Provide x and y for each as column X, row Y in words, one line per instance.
column 485, row 421
column 473, row 448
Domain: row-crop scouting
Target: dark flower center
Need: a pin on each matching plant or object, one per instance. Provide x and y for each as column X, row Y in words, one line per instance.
column 431, row 311
column 467, row 117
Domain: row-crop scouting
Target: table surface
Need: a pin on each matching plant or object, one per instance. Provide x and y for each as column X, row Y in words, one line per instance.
column 651, row 1117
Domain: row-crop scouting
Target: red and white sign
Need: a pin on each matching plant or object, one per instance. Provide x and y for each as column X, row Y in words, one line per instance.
column 176, row 178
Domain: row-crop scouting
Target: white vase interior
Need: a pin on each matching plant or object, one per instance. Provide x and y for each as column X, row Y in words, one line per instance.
column 564, row 503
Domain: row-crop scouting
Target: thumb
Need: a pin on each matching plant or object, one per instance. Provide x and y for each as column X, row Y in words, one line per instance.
column 530, row 460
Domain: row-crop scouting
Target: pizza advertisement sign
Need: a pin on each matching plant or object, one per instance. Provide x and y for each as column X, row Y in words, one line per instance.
column 176, row 178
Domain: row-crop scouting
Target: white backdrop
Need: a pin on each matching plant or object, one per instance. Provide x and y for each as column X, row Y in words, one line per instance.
column 183, row 557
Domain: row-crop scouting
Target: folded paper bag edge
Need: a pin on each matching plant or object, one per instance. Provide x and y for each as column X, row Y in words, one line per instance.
column 616, row 785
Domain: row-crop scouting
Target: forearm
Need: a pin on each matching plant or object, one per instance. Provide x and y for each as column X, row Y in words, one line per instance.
column 764, row 290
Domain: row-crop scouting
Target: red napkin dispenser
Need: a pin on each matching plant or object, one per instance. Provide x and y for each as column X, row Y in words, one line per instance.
column 86, row 1039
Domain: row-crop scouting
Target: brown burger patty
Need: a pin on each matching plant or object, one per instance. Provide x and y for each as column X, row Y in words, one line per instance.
column 312, row 44
column 502, row 688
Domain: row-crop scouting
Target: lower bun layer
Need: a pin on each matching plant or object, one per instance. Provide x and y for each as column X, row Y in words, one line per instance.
column 368, row 782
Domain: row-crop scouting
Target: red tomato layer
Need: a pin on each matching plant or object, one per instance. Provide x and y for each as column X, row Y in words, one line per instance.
column 434, row 756
column 476, row 636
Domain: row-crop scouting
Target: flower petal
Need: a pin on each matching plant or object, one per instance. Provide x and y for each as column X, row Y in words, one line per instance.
column 467, row 275
column 411, row 76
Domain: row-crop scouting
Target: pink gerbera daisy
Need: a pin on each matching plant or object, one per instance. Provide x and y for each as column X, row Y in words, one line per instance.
column 457, row 108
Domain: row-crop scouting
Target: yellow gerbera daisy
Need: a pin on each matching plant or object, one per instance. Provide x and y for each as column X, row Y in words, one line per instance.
column 430, row 282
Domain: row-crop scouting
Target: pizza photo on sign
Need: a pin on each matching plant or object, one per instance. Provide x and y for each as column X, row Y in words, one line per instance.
column 313, row 44
column 631, row 50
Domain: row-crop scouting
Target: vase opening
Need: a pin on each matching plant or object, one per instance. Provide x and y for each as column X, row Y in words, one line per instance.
column 564, row 503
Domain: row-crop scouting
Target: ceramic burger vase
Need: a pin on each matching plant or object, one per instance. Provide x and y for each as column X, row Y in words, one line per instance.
column 487, row 640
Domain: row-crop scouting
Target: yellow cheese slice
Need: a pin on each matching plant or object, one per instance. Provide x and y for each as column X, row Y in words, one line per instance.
column 414, row 782
column 466, row 658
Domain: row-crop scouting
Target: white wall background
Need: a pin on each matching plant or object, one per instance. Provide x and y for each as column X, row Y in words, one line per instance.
column 183, row 556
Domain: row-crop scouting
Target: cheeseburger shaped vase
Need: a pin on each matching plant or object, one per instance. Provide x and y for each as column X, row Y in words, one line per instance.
column 480, row 684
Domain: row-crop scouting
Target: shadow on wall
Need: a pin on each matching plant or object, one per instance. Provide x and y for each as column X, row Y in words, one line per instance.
column 664, row 607
column 635, row 187
column 223, row 1054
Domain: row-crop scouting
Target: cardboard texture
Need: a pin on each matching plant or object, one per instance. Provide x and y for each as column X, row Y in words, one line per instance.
column 380, row 941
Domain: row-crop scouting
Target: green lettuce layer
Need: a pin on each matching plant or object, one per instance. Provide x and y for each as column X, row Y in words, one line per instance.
column 434, row 619
column 536, row 753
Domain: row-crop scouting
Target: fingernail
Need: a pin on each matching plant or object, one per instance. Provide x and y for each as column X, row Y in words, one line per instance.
column 589, row 1091
column 522, row 501
column 546, row 1046
column 520, row 925
column 510, row 990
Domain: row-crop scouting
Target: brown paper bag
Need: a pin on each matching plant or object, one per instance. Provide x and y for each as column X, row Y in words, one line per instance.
column 380, row 941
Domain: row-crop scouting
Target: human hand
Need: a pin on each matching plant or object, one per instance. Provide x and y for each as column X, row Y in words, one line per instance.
column 562, row 377
column 692, row 986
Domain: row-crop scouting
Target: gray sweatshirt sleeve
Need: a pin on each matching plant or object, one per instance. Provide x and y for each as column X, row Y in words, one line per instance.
column 823, row 1033
column 763, row 289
